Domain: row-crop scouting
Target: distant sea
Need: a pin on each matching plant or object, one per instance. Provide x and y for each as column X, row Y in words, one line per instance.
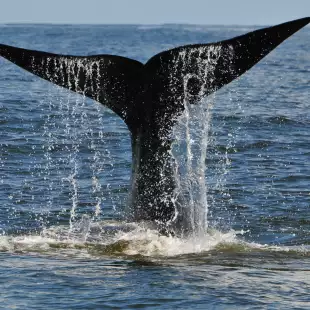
column 65, row 165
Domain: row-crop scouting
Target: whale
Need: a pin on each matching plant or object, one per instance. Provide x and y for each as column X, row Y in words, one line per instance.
column 149, row 97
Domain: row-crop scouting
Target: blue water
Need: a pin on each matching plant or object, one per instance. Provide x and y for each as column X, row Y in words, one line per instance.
column 65, row 165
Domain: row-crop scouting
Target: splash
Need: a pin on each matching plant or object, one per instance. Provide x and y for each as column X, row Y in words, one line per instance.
column 112, row 238
column 89, row 239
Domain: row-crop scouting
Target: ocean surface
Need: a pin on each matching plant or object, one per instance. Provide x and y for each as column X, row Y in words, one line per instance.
column 65, row 165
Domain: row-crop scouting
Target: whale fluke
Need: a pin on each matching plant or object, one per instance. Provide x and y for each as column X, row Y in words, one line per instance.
column 111, row 80
column 231, row 59
column 149, row 97
column 120, row 83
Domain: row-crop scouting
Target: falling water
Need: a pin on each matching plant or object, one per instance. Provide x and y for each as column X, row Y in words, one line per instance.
column 191, row 139
column 69, row 137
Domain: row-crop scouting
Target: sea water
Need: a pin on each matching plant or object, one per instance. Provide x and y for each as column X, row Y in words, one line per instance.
column 65, row 165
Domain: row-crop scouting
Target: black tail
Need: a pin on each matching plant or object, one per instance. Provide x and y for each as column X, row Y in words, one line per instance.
column 198, row 70
column 111, row 80
column 141, row 93
column 148, row 97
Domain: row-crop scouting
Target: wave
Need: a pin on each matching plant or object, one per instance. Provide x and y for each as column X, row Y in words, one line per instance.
column 87, row 239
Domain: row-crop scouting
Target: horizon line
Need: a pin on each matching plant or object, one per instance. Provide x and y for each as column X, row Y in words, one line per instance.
column 127, row 24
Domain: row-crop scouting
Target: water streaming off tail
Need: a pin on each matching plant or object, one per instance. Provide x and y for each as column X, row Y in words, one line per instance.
column 75, row 157
column 78, row 134
column 192, row 137
column 75, row 162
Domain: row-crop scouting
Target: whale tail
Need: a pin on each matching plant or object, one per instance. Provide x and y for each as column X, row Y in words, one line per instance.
column 130, row 88
column 108, row 79
column 148, row 97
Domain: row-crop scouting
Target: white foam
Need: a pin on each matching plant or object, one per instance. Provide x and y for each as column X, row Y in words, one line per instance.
column 150, row 243
column 139, row 240
column 131, row 239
